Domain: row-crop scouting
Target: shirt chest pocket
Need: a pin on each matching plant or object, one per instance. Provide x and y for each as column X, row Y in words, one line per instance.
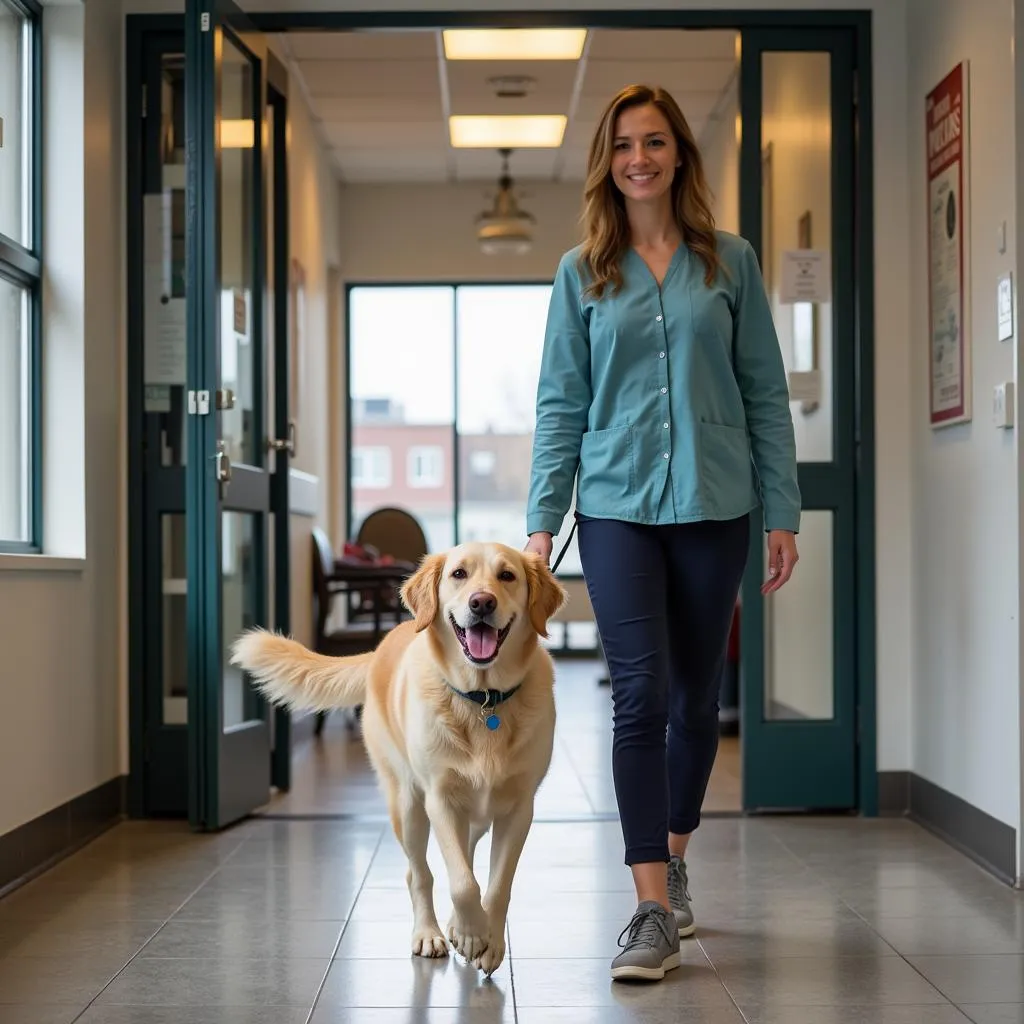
column 712, row 316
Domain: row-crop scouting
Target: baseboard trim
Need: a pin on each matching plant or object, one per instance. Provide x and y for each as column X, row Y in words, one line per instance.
column 990, row 843
column 39, row 844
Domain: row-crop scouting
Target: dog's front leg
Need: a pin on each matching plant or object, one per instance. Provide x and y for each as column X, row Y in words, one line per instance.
column 507, row 841
column 467, row 929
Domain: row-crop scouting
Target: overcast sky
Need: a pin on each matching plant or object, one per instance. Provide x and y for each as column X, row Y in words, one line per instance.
column 401, row 348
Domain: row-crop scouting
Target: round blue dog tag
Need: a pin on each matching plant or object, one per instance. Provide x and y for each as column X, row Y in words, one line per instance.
column 492, row 722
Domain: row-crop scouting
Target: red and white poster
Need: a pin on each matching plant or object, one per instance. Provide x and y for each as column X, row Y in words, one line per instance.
column 946, row 113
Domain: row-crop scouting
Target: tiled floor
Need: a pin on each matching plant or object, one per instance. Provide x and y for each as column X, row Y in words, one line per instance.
column 277, row 921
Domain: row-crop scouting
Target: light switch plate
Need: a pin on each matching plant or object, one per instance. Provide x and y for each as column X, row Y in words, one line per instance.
column 1002, row 404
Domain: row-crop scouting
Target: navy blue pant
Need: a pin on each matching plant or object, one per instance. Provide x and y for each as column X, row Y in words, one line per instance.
column 663, row 598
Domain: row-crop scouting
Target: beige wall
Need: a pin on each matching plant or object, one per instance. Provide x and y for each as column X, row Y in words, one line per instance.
column 966, row 672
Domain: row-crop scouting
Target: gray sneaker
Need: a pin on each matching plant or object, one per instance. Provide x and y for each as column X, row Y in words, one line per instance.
column 679, row 897
column 651, row 947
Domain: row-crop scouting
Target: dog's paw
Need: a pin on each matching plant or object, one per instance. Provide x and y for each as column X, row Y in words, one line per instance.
column 429, row 942
column 491, row 958
column 470, row 938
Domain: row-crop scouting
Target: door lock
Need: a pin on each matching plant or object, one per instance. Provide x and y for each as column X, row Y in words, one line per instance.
column 222, row 468
column 275, row 445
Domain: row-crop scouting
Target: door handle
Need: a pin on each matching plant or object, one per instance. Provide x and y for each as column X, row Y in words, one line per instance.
column 276, row 445
column 222, row 468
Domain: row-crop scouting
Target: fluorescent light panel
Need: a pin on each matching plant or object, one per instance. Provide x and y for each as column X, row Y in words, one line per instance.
column 514, row 43
column 479, row 131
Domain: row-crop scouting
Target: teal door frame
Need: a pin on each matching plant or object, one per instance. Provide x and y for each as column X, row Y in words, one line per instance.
column 160, row 773
column 798, row 762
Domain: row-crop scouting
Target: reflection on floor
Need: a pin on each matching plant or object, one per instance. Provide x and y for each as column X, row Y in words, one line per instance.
column 332, row 775
column 278, row 921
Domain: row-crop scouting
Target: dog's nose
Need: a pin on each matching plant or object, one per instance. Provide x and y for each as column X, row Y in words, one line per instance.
column 482, row 603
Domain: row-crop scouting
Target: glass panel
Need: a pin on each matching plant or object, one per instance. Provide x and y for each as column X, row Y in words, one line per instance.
column 15, row 408
column 16, row 118
column 796, row 135
column 500, row 332
column 402, row 399
column 799, row 630
column 238, row 163
column 240, row 606
column 165, row 351
column 719, row 138
column 174, row 659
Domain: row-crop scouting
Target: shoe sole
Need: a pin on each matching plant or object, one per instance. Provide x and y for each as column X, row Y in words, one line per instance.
column 637, row 973
column 686, row 930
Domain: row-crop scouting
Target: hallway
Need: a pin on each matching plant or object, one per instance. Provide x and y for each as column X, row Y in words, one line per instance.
column 277, row 921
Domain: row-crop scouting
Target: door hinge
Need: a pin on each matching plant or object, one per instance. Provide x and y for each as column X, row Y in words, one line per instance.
column 204, row 21
column 145, row 97
column 199, row 403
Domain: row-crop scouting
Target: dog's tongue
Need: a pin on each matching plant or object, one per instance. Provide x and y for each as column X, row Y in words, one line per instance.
column 482, row 641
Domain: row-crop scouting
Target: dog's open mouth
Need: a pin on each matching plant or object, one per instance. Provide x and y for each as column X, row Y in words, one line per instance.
column 481, row 642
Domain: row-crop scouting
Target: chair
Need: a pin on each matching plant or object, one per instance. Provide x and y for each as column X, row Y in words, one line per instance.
column 397, row 534
column 354, row 638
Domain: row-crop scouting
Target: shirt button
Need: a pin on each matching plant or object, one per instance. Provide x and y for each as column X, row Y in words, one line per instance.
column 661, row 355
column 665, row 425
column 658, row 318
column 664, row 391
column 665, row 456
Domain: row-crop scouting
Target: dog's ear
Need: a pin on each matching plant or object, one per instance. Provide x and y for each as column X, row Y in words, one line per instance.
column 419, row 592
column 546, row 593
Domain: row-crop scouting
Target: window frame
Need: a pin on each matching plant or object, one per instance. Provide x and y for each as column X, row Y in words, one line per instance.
column 23, row 267
column 454, row 285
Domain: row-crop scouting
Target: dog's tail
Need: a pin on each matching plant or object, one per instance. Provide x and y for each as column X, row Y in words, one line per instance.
column 290, row 674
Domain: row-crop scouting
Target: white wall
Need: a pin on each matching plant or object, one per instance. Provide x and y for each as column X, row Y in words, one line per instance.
column 60, row 618
column 965, row 732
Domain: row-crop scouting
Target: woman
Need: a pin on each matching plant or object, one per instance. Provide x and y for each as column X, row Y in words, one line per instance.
column 662, row 384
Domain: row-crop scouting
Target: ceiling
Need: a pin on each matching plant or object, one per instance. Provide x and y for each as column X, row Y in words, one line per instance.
column 381, row 100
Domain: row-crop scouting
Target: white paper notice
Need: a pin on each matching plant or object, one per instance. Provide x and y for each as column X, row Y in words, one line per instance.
column 165, row 347
column 806, row 276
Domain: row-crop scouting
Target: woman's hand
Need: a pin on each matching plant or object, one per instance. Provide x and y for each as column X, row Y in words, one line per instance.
column 540, row 544
column 782, row 559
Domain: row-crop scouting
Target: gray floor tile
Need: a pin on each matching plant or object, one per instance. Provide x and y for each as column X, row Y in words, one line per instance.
column 419, row 1015
column 53, row 938
column 971, row 933
column 195, row 1015
column 217, row 982
column 38, row 1014
column 50, row 980
column 769, row 938
column 231, row 938
column 640, row 1013
column 415, row 982
column 802, row 981
column 852, row 1014
column 995, row 1013
column 975, row 978
column 587, row 983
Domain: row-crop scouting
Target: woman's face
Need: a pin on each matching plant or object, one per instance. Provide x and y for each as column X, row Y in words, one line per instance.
column 644, row 153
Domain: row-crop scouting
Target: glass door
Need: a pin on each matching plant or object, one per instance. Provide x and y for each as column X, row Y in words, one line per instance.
column 798, row 647
column 227, row 483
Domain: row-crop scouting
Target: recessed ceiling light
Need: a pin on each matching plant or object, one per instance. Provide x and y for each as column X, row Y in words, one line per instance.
column 237, row 134
column 540, row 131
column 514, row 43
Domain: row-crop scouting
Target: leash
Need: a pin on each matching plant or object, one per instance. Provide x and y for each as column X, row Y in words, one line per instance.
column 565, row 547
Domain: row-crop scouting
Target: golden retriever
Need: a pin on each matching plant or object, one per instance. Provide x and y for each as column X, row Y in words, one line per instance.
column 458, row 721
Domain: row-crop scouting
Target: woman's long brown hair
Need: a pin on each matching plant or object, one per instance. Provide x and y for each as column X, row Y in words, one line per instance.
column 605, row 226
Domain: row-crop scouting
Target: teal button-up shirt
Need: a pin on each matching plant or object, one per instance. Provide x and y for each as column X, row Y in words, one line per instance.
column 664, row 405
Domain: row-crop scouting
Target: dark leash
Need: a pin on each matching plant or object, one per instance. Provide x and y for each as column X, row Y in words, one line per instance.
column 565, row 547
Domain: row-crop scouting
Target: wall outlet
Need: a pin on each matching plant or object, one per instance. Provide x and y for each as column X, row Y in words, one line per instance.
column 1002, row 404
